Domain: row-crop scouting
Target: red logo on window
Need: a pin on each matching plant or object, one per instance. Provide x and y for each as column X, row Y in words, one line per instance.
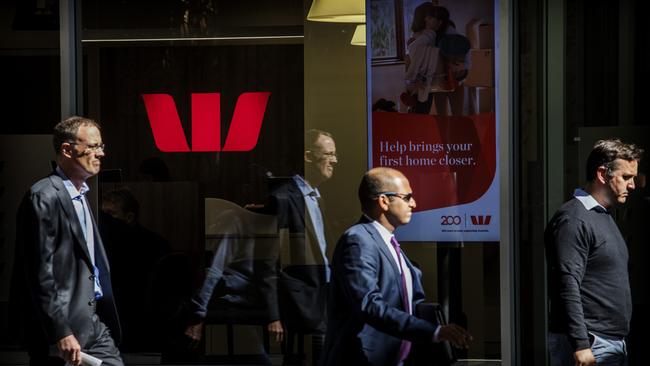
column 206, row 121
column 480, row 220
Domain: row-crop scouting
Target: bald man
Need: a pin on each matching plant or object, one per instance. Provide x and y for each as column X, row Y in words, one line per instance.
column 375, row 288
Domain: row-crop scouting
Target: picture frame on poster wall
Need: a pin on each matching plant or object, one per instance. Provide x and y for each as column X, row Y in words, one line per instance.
column 391, row 28
column 386, row 24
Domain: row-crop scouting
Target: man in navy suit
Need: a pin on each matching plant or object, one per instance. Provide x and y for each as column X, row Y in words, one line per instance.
column 61, row 286
column 375, row 288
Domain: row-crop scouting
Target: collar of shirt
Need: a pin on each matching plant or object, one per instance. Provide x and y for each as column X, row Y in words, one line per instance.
column 72, row 190
column 586, row 199
column 305, row 188
column 385, row 234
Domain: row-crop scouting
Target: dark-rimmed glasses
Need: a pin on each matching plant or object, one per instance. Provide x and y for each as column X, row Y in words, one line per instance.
column 406, row 197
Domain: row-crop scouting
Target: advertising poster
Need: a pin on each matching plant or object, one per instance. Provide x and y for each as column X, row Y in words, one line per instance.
column 433, row 113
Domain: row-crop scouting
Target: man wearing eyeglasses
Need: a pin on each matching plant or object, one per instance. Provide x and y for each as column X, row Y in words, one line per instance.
column 61, row 284
column 297, row 300
column 375, row 288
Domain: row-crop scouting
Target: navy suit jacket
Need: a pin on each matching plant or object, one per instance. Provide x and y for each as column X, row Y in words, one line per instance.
column 53, row 282
column 367, row 320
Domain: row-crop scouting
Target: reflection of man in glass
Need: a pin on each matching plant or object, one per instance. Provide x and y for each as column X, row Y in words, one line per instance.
column 231, row 291
column 589, row 290
column 298, row 302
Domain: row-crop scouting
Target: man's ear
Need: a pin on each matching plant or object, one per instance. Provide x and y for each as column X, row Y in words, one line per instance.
column 602, row 174
column 66, row 149
column 308, row 157
column 383, row 202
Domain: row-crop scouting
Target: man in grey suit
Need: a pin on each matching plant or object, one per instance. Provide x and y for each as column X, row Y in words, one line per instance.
column 297, row 301
column 375, row 288
column 61, row 284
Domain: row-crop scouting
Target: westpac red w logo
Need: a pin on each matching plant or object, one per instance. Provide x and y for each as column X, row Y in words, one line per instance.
column 206, row 122
column 480, row 220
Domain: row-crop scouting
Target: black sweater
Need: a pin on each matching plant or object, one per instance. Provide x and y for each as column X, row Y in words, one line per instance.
column 589, row 289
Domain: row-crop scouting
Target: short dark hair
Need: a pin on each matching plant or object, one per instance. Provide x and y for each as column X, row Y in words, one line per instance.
column 605, row 153
column 124, row 198
column 66, row 130
column 312, row 135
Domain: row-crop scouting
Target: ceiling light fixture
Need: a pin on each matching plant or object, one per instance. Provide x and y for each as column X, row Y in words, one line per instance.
column 359, row 37
column 338, row 11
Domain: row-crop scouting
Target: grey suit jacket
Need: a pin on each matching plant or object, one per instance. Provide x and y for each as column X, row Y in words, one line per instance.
column 367, row 320
column 53, row 281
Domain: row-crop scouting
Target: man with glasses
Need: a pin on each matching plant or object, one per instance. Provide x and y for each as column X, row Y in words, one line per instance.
column 588, row 282
column 294, row 288
column 61, row 284
column 375, row 288
column 297, row 300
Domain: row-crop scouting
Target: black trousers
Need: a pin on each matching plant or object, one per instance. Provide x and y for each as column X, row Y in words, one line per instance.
column 296, row 357
column 101, row 346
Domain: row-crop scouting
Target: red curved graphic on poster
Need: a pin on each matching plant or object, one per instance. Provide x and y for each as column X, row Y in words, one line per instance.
column 448, row 161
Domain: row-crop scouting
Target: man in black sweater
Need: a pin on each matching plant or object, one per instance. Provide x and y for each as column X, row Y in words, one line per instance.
column 589, row 291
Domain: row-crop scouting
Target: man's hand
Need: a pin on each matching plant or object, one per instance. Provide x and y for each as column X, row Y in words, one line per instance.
column 195, row 332
column 275, row 329
column 455, row 335
column 70, row 349
column 584, row 357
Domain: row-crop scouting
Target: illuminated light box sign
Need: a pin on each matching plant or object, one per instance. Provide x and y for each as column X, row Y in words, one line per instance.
column 434, row 115
column 451, row 165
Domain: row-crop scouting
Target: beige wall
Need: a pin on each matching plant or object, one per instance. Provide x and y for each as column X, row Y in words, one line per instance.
column 335, row 101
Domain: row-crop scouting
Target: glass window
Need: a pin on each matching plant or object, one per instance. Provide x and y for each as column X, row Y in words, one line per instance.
column 593, row 95
column 205, row 108
column 31, row 101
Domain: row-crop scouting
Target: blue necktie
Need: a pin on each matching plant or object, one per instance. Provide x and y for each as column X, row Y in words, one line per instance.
column 90, row 242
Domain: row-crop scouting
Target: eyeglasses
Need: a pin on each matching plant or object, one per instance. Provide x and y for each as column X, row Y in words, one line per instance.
column 406, row 197
column 94, row 148
column 327, row 155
